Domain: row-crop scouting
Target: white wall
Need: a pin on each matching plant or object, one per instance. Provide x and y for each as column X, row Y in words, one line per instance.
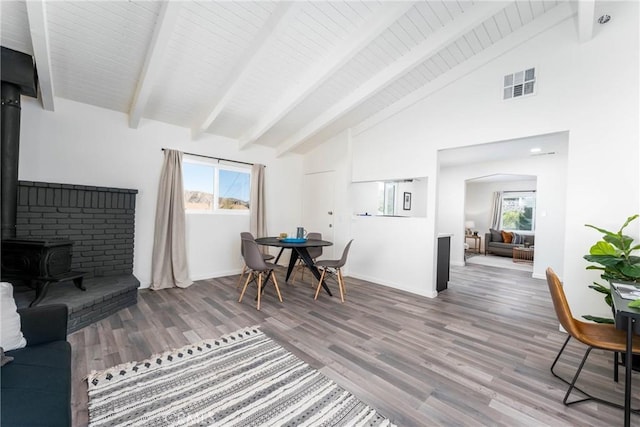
column 589, row 89
column 335, row 155
column 418, row 189
column 82, row 144
column 365, row 197
column 390, row 253
column 371, row 257
column 550, row 204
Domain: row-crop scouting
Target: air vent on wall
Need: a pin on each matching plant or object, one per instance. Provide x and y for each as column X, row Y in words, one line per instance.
column 519, row 84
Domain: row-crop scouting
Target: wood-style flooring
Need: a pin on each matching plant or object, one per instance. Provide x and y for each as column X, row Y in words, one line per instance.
column 478, row 354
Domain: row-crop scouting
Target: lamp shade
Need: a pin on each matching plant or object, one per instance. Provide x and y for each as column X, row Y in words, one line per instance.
column 469, row 224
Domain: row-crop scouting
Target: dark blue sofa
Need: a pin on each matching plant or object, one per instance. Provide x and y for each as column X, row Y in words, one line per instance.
column 36, row 385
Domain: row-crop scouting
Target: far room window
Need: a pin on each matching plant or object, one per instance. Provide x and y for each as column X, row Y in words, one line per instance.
column 518, row 211
column 387, row 198
column 210, row 187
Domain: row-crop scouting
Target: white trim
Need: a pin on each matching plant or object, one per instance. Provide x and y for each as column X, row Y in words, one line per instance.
column 37, row 15
column 441, row 38
column 388, row 14
column 156, row 53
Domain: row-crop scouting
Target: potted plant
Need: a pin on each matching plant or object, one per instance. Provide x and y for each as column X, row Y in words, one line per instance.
column 613, row 256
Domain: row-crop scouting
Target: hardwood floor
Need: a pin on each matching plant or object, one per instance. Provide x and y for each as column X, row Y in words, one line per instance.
column 478, row 354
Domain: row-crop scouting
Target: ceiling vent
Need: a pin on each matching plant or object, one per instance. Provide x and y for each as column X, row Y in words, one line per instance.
column 519, row 84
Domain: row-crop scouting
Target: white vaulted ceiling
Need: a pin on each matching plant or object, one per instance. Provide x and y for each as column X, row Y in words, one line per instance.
column 282, row 74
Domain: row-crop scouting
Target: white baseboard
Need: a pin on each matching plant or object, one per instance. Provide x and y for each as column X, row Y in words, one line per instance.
column 214, row 274
column 378, row 281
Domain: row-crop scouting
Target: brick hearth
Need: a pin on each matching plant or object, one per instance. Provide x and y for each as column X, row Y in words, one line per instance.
column 100, row 221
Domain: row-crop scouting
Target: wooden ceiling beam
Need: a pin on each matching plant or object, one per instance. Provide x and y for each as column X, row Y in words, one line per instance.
column 386, row 15
column 553, row 17
column 155, row 56
column 432, row 45
column 281, row 17
column 586, row 19
column 37, row 14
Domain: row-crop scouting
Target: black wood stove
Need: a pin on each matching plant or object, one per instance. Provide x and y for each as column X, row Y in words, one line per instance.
column 39, row 263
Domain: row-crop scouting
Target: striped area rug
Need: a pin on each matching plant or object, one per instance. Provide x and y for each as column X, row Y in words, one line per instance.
column 241, row 379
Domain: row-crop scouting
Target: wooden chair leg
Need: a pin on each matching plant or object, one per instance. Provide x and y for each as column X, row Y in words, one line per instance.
column 320, row 283
column 259, row 289
column 244, row 270
column 244, row 288
column 341, row 285
column 275, row 282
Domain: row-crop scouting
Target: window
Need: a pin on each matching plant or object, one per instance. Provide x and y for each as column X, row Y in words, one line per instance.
column 387, row 198
column 206, row 182
column 518, row 211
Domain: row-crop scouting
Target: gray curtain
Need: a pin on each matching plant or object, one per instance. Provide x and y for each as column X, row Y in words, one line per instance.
column 258, row 226
column 169, row 260
column 496, row 209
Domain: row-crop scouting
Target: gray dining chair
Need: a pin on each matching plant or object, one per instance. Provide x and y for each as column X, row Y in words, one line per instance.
column 258, row 269
column 334, row 267
column 314, row 252
column 266, row 257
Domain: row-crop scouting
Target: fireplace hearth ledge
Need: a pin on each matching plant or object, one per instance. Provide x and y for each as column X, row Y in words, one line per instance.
column 104, row 297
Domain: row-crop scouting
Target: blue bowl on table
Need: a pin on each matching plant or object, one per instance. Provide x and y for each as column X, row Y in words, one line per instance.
column 292, row 240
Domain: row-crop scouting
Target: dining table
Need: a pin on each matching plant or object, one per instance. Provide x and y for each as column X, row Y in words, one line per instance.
column 299, row 250
column 628, row 319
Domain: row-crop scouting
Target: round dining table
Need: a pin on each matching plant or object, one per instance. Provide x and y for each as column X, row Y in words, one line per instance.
column 298, row 250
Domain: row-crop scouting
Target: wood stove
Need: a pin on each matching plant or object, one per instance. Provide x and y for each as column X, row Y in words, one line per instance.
column 39, row 263
column 36, row 258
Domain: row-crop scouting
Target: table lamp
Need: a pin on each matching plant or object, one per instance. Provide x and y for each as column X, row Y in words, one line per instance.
column 469, row 226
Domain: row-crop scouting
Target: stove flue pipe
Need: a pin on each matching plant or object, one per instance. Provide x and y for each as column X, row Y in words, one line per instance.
column 10, row 157
column 19, row 77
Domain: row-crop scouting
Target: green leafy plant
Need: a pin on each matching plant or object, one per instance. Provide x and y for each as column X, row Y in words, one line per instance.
column 613, row 256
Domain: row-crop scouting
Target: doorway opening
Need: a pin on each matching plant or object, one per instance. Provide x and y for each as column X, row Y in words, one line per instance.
column 500, row 216
column 541, row 158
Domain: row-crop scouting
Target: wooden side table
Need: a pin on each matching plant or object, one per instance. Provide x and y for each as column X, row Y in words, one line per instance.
column 476, row 242
column 523, row 255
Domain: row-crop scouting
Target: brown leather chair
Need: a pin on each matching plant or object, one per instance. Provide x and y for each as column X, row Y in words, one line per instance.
column 594, row 335
column 257, row 268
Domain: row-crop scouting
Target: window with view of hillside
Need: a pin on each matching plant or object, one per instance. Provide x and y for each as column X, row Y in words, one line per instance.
column 518, row 211
column 205, row 183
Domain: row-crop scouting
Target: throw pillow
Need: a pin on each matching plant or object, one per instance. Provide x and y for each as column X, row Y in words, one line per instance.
column 507, row 236
column 4, row 359
column 496, row 236
column 518, row 239
column 11, row 336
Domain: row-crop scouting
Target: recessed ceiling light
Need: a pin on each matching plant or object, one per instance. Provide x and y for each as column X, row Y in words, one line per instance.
column 604, row 19
column 536, row 150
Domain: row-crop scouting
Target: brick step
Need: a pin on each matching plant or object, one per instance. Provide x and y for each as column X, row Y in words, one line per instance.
column 104, row 296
